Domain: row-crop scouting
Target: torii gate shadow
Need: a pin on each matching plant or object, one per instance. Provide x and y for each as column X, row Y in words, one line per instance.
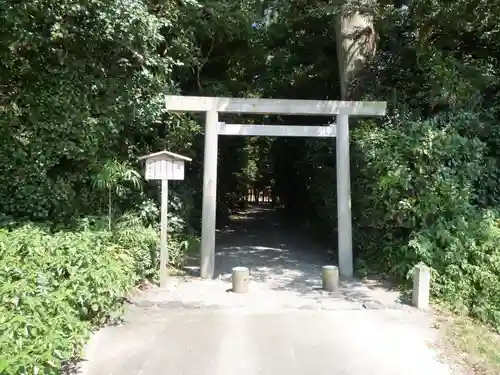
column 281, row 257
column 257, row 238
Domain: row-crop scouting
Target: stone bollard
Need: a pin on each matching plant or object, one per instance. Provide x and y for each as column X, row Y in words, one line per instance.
column 421, row 286
column 241, row 276
column 330, row 276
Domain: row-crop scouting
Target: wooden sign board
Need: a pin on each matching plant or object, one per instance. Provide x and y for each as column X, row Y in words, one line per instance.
column 162, row 168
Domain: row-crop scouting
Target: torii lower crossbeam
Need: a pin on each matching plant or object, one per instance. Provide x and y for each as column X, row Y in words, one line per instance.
column 276, row 130
column 212, row 106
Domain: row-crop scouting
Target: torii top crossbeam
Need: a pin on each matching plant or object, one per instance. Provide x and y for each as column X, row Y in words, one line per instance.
column 273, row 106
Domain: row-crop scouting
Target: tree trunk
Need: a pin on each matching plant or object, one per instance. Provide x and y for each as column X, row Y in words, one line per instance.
column 356, row 45
column 110, row 209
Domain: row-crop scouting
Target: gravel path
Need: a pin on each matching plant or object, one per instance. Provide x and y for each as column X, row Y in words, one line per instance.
column 285, row 324
column 285, row 272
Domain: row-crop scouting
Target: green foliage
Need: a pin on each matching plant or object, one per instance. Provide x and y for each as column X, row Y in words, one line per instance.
column 54, row 289
column 418, row 206
column 112, row 178
column 82, row 97
column 144, row 240
column 82, row 82
column 425, row 184
column 131, row 232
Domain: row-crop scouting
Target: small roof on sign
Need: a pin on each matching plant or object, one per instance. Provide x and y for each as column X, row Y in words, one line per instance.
column 166, row 153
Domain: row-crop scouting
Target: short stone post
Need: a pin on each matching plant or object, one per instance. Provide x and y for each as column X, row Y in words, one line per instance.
column 330, row 277
column 421, row 286
column 241, row 276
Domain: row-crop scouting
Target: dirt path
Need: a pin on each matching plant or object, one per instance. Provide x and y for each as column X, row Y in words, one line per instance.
column 285, row 324
column 285, row 268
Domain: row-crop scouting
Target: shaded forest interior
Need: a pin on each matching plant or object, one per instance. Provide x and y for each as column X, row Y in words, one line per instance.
column 269, row 168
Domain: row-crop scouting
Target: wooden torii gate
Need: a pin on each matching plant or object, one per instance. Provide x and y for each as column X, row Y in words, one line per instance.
column 213, row 128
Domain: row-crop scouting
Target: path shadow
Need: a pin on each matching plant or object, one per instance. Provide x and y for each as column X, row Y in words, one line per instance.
column 276, row 255
column 282, row 257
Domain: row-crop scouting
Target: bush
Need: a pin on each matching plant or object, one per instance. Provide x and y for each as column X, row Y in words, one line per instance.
column 140, row 230
column 465, row 256
column 55, row 288
column 145, row 244
column 416, row 202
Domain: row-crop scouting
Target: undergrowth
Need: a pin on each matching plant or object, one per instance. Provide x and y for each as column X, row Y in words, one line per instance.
column 55, row 288
column 422, row 182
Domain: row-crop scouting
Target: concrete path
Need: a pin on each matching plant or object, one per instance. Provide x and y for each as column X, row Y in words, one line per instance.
column 284, row 325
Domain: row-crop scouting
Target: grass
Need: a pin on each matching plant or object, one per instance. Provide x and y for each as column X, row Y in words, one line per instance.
column 473, row 345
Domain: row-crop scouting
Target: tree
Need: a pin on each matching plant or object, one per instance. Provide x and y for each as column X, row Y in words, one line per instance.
column 356, row 42
column 81, row 81
column 113, row 178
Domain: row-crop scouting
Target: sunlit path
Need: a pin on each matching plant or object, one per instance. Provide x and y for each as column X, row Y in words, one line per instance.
column 285, row 325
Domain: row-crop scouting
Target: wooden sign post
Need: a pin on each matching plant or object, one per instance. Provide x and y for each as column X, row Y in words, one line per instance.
column 164, row 166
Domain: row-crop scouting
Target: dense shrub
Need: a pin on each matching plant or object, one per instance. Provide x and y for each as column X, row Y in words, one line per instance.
column 54, row 288
column 91, row 73
column 144, row 240
column 420, row 180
